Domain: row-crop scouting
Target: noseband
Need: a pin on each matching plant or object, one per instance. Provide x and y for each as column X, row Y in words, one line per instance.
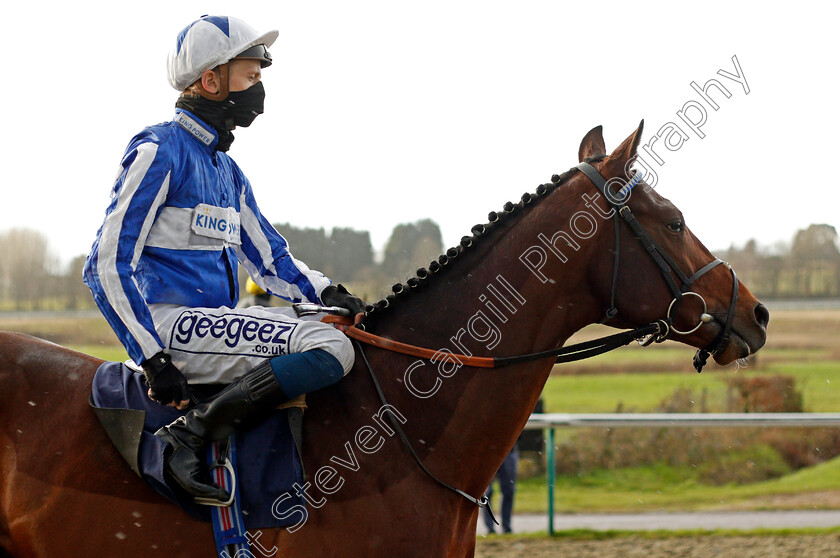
column 668, row 268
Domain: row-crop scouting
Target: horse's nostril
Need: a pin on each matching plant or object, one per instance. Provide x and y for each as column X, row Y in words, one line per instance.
column 762, row 315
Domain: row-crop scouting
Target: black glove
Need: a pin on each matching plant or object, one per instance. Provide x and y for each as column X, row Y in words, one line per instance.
column 337, row 295
column 167, row 383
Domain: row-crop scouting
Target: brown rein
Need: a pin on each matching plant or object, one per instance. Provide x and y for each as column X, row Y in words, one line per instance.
column 405, row 348
column 655, row 331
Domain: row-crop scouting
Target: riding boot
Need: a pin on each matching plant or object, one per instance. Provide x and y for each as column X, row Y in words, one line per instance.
column 247, row 399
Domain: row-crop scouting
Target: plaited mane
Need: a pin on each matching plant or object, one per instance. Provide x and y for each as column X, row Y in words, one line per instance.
column 446, row 260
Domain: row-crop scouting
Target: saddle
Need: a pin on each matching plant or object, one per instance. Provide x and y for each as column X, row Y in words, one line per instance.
column 268, row 463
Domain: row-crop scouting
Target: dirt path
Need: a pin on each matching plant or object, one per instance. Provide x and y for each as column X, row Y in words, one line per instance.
column 817, row 546
column 743, row 520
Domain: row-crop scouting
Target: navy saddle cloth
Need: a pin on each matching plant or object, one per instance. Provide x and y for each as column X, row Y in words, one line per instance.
column 268, row 463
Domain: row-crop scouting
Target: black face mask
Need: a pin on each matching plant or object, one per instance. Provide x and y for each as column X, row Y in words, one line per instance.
column 240, row 108
column 244, row 106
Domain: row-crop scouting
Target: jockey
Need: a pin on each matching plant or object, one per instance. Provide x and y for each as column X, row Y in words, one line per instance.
column 163, row 268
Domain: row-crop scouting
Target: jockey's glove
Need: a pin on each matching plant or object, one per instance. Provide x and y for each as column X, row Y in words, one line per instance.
column 337, row 295
column 166, row 383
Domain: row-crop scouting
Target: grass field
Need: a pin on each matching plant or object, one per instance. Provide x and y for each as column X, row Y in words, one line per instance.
column 801, row 344
column 661, row 487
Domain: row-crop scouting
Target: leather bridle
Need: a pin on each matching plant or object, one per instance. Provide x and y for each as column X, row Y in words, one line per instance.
column 667, row 266
column 656, row 331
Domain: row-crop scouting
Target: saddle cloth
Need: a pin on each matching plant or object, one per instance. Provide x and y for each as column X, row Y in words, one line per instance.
column 268, row 459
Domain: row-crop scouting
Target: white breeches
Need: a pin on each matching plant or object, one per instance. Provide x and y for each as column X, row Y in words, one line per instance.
column 219, row 345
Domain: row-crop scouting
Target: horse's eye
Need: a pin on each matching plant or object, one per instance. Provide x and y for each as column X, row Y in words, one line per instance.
column 676, row 226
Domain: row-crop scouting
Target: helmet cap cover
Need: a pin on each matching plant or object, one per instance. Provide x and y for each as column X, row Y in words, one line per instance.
column 211, row 41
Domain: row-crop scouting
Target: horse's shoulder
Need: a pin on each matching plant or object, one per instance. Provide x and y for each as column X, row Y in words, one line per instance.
column 22, row 353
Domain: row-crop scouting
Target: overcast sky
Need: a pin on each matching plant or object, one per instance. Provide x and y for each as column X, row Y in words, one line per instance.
column 380, row 113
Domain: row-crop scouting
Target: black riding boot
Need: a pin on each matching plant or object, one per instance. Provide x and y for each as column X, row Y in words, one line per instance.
column 248, row 399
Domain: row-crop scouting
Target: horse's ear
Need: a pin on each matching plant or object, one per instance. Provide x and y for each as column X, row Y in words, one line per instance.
column 592, row 144
column 627, row 149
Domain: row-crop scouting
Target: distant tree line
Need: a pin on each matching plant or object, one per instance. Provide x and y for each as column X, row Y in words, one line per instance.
column 31, row 278
column 347, row 256
column 807, row 268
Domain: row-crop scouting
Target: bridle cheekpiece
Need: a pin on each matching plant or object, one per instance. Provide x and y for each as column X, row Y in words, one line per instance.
column 668, row 268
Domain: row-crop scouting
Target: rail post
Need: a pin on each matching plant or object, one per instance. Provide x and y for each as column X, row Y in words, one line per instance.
column 550, row 477
column 547, row 422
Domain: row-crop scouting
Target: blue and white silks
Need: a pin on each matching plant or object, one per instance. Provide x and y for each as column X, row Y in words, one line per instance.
column 181, row 218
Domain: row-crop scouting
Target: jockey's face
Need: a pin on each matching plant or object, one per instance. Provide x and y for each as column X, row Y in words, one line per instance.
column 242, row 74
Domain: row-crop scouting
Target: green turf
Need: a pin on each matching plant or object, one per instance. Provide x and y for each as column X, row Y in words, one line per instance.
column 105, row 352
column 658, row 487
column 642, row 392
column 603, row 393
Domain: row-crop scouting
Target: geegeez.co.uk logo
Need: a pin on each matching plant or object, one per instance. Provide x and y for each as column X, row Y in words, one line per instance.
column 239, row 334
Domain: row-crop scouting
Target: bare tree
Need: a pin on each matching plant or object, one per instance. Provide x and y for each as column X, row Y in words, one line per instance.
column 72, row 289
column 816, row 258
column 412, row 245
column 26, row 267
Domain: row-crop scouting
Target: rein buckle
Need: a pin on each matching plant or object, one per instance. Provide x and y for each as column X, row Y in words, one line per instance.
column 660, row 335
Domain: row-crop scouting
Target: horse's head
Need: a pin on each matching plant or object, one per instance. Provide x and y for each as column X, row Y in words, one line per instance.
column 660, row 261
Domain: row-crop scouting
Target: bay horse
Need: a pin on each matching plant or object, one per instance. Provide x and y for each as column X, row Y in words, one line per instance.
column 540, row 270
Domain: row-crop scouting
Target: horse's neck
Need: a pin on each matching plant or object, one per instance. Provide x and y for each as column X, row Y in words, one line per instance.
column 487, row 304
column 490, row 302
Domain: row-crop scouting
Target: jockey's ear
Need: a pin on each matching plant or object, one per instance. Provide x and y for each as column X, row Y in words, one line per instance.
column 210, row 81
column 592, row 144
